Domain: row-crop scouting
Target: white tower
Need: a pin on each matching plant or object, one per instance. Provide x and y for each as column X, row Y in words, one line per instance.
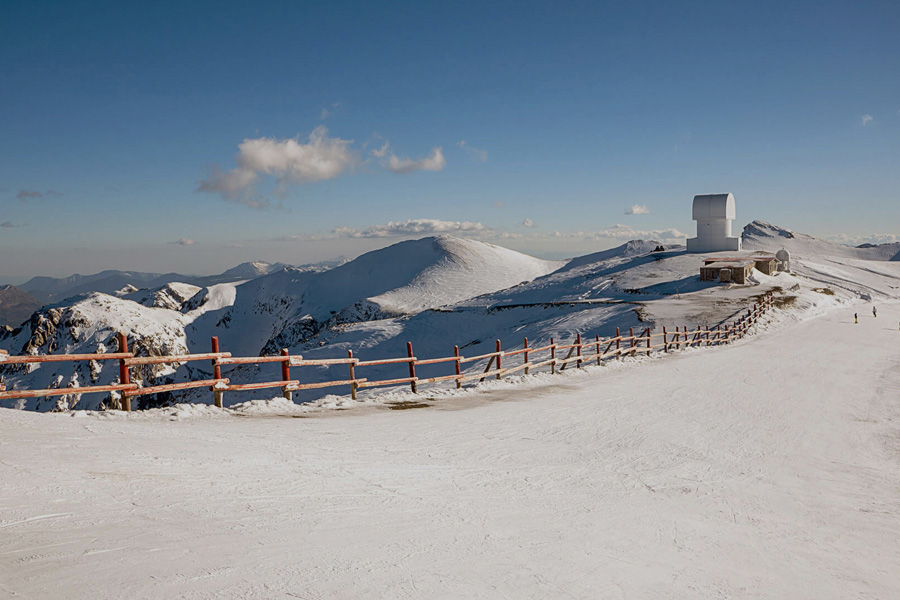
column 714, row 214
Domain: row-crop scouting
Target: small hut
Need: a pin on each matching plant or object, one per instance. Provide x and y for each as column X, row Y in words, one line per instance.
column 734, row 271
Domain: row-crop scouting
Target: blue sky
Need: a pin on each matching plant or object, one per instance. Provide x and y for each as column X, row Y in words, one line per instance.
column 115, row 117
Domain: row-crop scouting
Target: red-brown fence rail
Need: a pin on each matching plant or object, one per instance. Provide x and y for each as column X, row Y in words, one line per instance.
column 635, row 343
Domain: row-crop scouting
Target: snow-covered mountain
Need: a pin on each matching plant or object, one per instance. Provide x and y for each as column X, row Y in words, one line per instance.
column 435, row 292
column 760, row 235
column 290, row 307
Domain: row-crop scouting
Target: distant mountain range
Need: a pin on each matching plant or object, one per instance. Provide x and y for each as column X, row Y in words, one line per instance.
column 16, row 305
column 52, row 289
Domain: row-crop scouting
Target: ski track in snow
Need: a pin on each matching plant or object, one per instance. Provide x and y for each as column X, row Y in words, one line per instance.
column 765, row 469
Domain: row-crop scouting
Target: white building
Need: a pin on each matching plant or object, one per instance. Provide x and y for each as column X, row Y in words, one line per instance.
column 784, row 260
column 714, row 214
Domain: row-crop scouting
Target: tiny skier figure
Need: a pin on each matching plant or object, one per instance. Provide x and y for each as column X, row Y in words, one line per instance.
column 874, row 312
column 856, row 317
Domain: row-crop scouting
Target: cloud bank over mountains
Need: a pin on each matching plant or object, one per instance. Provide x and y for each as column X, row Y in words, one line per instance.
column 424, row 227
column 413, row 227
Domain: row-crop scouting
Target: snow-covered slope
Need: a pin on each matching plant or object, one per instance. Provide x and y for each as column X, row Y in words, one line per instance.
column 413, row 276
column 172, row 296
column 290, row 307
column 760, row 235
column 768, row 469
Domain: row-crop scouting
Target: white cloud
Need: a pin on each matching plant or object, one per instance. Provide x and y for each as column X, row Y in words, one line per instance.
column 527, row 223
column 638, row 209
column 8, row 224
column 412, row 227
column 288, row 160
column 402, row 166
column 184, row 242
column 866, row 119
column 476, row 153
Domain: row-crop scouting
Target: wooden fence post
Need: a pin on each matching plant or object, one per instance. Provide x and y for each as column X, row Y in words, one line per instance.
column 649, row 342
column 286, row 375
column 578, row 348
column 631, row 334
column 457, row 363
column 599, row 358
column 124, row 375
column 353, row 385
column 526, row 356
column 499, row 365
column 412, row 368
column 665, row 341
column 618, row 344
column 552, row 356
column 217, row 373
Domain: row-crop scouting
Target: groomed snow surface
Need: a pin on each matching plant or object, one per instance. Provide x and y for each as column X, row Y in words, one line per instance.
column 766, row 469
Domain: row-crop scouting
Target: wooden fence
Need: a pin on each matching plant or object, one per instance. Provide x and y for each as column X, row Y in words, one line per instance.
column 579, row 353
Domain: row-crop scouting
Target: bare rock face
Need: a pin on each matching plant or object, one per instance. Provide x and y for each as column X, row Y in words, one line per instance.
column 16, row 305
column 91, row 325
column 172, row 296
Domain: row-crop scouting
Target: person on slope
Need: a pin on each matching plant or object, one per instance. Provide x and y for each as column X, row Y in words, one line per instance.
column 856, row 317
column 874, row 312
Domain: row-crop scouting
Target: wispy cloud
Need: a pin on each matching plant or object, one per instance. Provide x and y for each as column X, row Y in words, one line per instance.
column 638, row 209
column 401, row 166
column 382, row 152
column 866, row 119
column 184, row 242
column 289, row 160
column 31, row 194
column 476, row 153
column 412, row 227
column 326, row 112
column 9, row 225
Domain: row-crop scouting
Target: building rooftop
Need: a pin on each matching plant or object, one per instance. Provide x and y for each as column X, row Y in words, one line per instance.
column 750, row 257
column 727, row 264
